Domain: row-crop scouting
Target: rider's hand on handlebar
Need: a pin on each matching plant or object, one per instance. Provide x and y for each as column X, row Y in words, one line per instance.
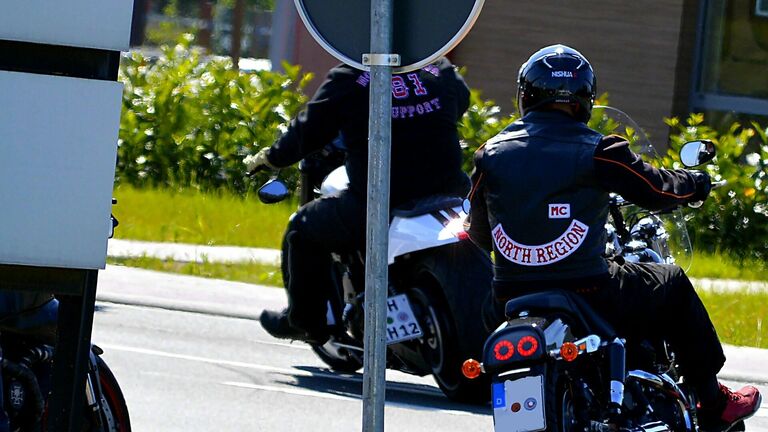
column 257, row 162
column 703, row 185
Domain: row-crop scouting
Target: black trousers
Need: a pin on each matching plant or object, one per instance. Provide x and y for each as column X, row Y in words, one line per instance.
column 329, row 224
column 646, row 301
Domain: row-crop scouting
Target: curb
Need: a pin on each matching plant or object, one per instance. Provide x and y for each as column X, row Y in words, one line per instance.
column 176, row 305
column 181, row 252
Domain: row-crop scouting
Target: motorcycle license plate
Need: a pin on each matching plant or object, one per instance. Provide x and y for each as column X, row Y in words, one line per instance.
column 401, row 323
column 518, row 406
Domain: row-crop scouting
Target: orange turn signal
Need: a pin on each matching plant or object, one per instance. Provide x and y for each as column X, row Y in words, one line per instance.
column 569, row 351
column 471, row 369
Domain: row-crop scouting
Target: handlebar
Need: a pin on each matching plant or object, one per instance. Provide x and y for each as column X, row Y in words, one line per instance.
column 719, row 184
column 713, row 185
column 257, row 170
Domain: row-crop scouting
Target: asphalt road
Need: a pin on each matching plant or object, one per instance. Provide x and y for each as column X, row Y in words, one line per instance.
column 192, row 372
column 184, row 371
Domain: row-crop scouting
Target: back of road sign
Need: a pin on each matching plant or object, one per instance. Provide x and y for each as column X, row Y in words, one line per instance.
column 423, row 30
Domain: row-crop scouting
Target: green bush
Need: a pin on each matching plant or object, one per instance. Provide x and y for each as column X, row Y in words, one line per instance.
column 482, row 121
column 188, row 121
column 734, row 220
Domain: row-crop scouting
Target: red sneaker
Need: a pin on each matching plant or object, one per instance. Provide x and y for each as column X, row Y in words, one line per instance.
column 736, row 406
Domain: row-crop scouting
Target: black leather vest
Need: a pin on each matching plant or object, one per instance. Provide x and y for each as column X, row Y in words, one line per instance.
column 546, row 210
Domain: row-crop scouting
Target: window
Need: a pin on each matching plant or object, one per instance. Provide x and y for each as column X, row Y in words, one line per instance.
column 761, row 8
column 733, row 57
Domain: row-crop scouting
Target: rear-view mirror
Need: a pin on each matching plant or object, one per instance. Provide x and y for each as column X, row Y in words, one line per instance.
column 273, row 191
column 695, row 153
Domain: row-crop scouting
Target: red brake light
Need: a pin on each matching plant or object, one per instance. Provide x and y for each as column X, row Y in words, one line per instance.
column 504, row 350
column 527, row 346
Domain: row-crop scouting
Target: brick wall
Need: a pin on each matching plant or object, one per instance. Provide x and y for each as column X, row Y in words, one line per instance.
column 633, row 47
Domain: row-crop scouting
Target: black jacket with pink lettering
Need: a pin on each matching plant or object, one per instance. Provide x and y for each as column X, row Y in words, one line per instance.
column 426, row 104
column 540, row 196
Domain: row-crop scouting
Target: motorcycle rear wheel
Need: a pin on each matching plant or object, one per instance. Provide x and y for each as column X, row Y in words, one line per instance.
column 442, row 349
column 559, row 399
column 566, row 418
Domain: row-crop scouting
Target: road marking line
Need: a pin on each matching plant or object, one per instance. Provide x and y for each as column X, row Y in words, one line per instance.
column 285, row 371
column 209, row 360
column 312, row 393
column 300, row 346
column 292, row 391
column 297, row 345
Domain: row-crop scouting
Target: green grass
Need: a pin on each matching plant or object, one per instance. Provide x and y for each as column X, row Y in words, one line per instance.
column 225, row 219
column 194, row 217
column 740, row 318
column 254, row 273
column 722, row 267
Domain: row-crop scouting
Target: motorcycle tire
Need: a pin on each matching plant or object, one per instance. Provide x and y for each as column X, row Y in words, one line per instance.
column 559, row 403
column 115, row 410
column 450, row 287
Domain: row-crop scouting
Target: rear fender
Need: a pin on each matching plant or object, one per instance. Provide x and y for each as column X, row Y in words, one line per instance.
column 411, row 234
column 513, row 347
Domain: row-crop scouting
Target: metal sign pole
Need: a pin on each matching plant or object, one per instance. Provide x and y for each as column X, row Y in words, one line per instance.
column 377, row 241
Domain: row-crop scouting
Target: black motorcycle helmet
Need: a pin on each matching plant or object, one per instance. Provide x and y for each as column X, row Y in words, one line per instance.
column 557, row 74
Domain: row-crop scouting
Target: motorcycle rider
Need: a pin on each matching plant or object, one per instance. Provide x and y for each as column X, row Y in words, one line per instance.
column 426, row 160
column 540, row 201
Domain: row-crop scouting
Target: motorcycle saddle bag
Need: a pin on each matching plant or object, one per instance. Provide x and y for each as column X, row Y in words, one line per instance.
column 426, row 205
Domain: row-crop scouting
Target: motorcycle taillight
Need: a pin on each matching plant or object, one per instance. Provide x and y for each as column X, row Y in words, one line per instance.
column 513, row 344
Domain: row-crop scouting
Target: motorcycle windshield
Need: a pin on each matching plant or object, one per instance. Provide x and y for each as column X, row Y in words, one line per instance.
column 607, row 119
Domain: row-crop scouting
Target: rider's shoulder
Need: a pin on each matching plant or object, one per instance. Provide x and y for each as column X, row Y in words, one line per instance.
column 613, row 141
column 345, row 73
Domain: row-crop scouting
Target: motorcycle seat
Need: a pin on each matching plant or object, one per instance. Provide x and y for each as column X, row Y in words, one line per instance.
column 426, row 205
column 561, row 302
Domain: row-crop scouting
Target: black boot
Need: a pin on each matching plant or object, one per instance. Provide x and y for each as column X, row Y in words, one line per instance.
column 277, row 325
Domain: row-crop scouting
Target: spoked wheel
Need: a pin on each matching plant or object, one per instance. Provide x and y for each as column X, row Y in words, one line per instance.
column 440, row 350
column 434, row 329
column 567, row 420
column 560, row 408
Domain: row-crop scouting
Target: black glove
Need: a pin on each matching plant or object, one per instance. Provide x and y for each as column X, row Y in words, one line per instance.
column 703, row 185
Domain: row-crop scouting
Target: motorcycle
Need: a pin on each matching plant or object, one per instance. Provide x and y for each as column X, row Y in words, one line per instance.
column 556, row 365
column 438, row 281
column 27, row 337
